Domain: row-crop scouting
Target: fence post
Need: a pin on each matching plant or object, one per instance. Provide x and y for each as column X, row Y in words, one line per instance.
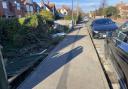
column 3, row 75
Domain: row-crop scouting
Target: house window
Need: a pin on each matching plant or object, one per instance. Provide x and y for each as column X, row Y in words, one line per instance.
column 38, row 9
column 4, row 4
column 18, row 6
column 27, row 8
column 31, row 8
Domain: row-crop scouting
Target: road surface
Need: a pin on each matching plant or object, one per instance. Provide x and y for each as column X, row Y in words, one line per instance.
column 73, row 64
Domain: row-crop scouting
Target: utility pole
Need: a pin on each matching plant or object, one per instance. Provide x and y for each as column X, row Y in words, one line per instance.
column 72, row 14
column 3, row 75
column 77, row 1
column 77, row 8
column 103, row 3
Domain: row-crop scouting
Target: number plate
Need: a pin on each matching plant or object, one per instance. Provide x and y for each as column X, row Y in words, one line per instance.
column 104, row 36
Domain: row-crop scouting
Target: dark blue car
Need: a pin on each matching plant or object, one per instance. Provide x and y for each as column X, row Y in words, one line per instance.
column 116, row 49
column 101, row 26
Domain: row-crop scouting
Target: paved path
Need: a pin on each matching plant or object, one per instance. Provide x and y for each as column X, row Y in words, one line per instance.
column 73, row 64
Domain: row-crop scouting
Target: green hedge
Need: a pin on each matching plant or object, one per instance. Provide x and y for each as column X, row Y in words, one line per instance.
column 8, row 28
column 47, row 15
column 20, row 32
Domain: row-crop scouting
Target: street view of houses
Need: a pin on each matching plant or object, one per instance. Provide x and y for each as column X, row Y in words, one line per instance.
column 63, row 44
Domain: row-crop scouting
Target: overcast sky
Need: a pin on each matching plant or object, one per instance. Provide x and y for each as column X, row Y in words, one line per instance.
column 86, row 5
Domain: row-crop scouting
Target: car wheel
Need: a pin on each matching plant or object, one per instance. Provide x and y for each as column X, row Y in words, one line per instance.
column 93, row 35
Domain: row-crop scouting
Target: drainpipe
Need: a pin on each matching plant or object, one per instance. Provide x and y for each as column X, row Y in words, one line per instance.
column 3, row 75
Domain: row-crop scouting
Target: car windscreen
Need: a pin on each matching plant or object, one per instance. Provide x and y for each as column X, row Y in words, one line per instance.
column 103, row 21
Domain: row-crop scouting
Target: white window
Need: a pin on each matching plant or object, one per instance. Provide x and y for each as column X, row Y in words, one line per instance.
column 18, row 6
column 4, row 4
column 31, row 8
column 27, row 7
column 29, row 1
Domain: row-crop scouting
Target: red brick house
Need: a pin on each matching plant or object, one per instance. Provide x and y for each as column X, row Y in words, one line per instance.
column 1, row 9
column 31, row 7
column 11, row 8
column 36, row 7
column 123, row 9
column 4, row 11
column 17, row 8
column 49, row 7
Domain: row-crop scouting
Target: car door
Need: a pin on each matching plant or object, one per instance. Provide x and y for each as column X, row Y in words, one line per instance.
column 119, row 53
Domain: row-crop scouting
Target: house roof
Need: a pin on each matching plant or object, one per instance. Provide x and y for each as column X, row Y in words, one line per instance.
column 51, row 5
column 65, row 7
column 58, row 9
column 35, row 4
column 122, row 6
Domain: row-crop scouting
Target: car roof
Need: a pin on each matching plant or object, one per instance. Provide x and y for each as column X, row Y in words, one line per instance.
column 102, row 19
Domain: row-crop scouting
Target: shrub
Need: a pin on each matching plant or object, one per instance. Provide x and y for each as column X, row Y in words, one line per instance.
column 8, row 29
column 21, row 21
column 47, row 15
column 23, row 31
column 33, row 28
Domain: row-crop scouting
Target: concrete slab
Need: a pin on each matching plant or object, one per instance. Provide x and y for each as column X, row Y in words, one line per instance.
column 73, row 64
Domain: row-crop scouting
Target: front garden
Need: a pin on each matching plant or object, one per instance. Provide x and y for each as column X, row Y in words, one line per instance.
column 26, row 41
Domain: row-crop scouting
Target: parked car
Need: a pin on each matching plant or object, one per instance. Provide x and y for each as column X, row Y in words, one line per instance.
column 116, row 49
column 100, row 27
column 85, row 19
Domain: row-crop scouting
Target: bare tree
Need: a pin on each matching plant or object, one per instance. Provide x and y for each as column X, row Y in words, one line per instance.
column 103, row 3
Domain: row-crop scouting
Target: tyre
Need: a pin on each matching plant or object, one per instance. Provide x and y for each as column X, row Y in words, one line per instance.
column 94, row 35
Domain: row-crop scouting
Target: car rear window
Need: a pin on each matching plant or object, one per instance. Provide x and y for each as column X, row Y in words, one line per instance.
column 103, row 21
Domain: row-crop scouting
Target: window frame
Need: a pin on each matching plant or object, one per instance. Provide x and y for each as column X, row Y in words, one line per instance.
column 120, row 36
column 18, row 7
column 4, row 5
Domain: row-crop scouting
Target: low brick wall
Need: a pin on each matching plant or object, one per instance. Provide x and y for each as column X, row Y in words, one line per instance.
column 63, row 22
